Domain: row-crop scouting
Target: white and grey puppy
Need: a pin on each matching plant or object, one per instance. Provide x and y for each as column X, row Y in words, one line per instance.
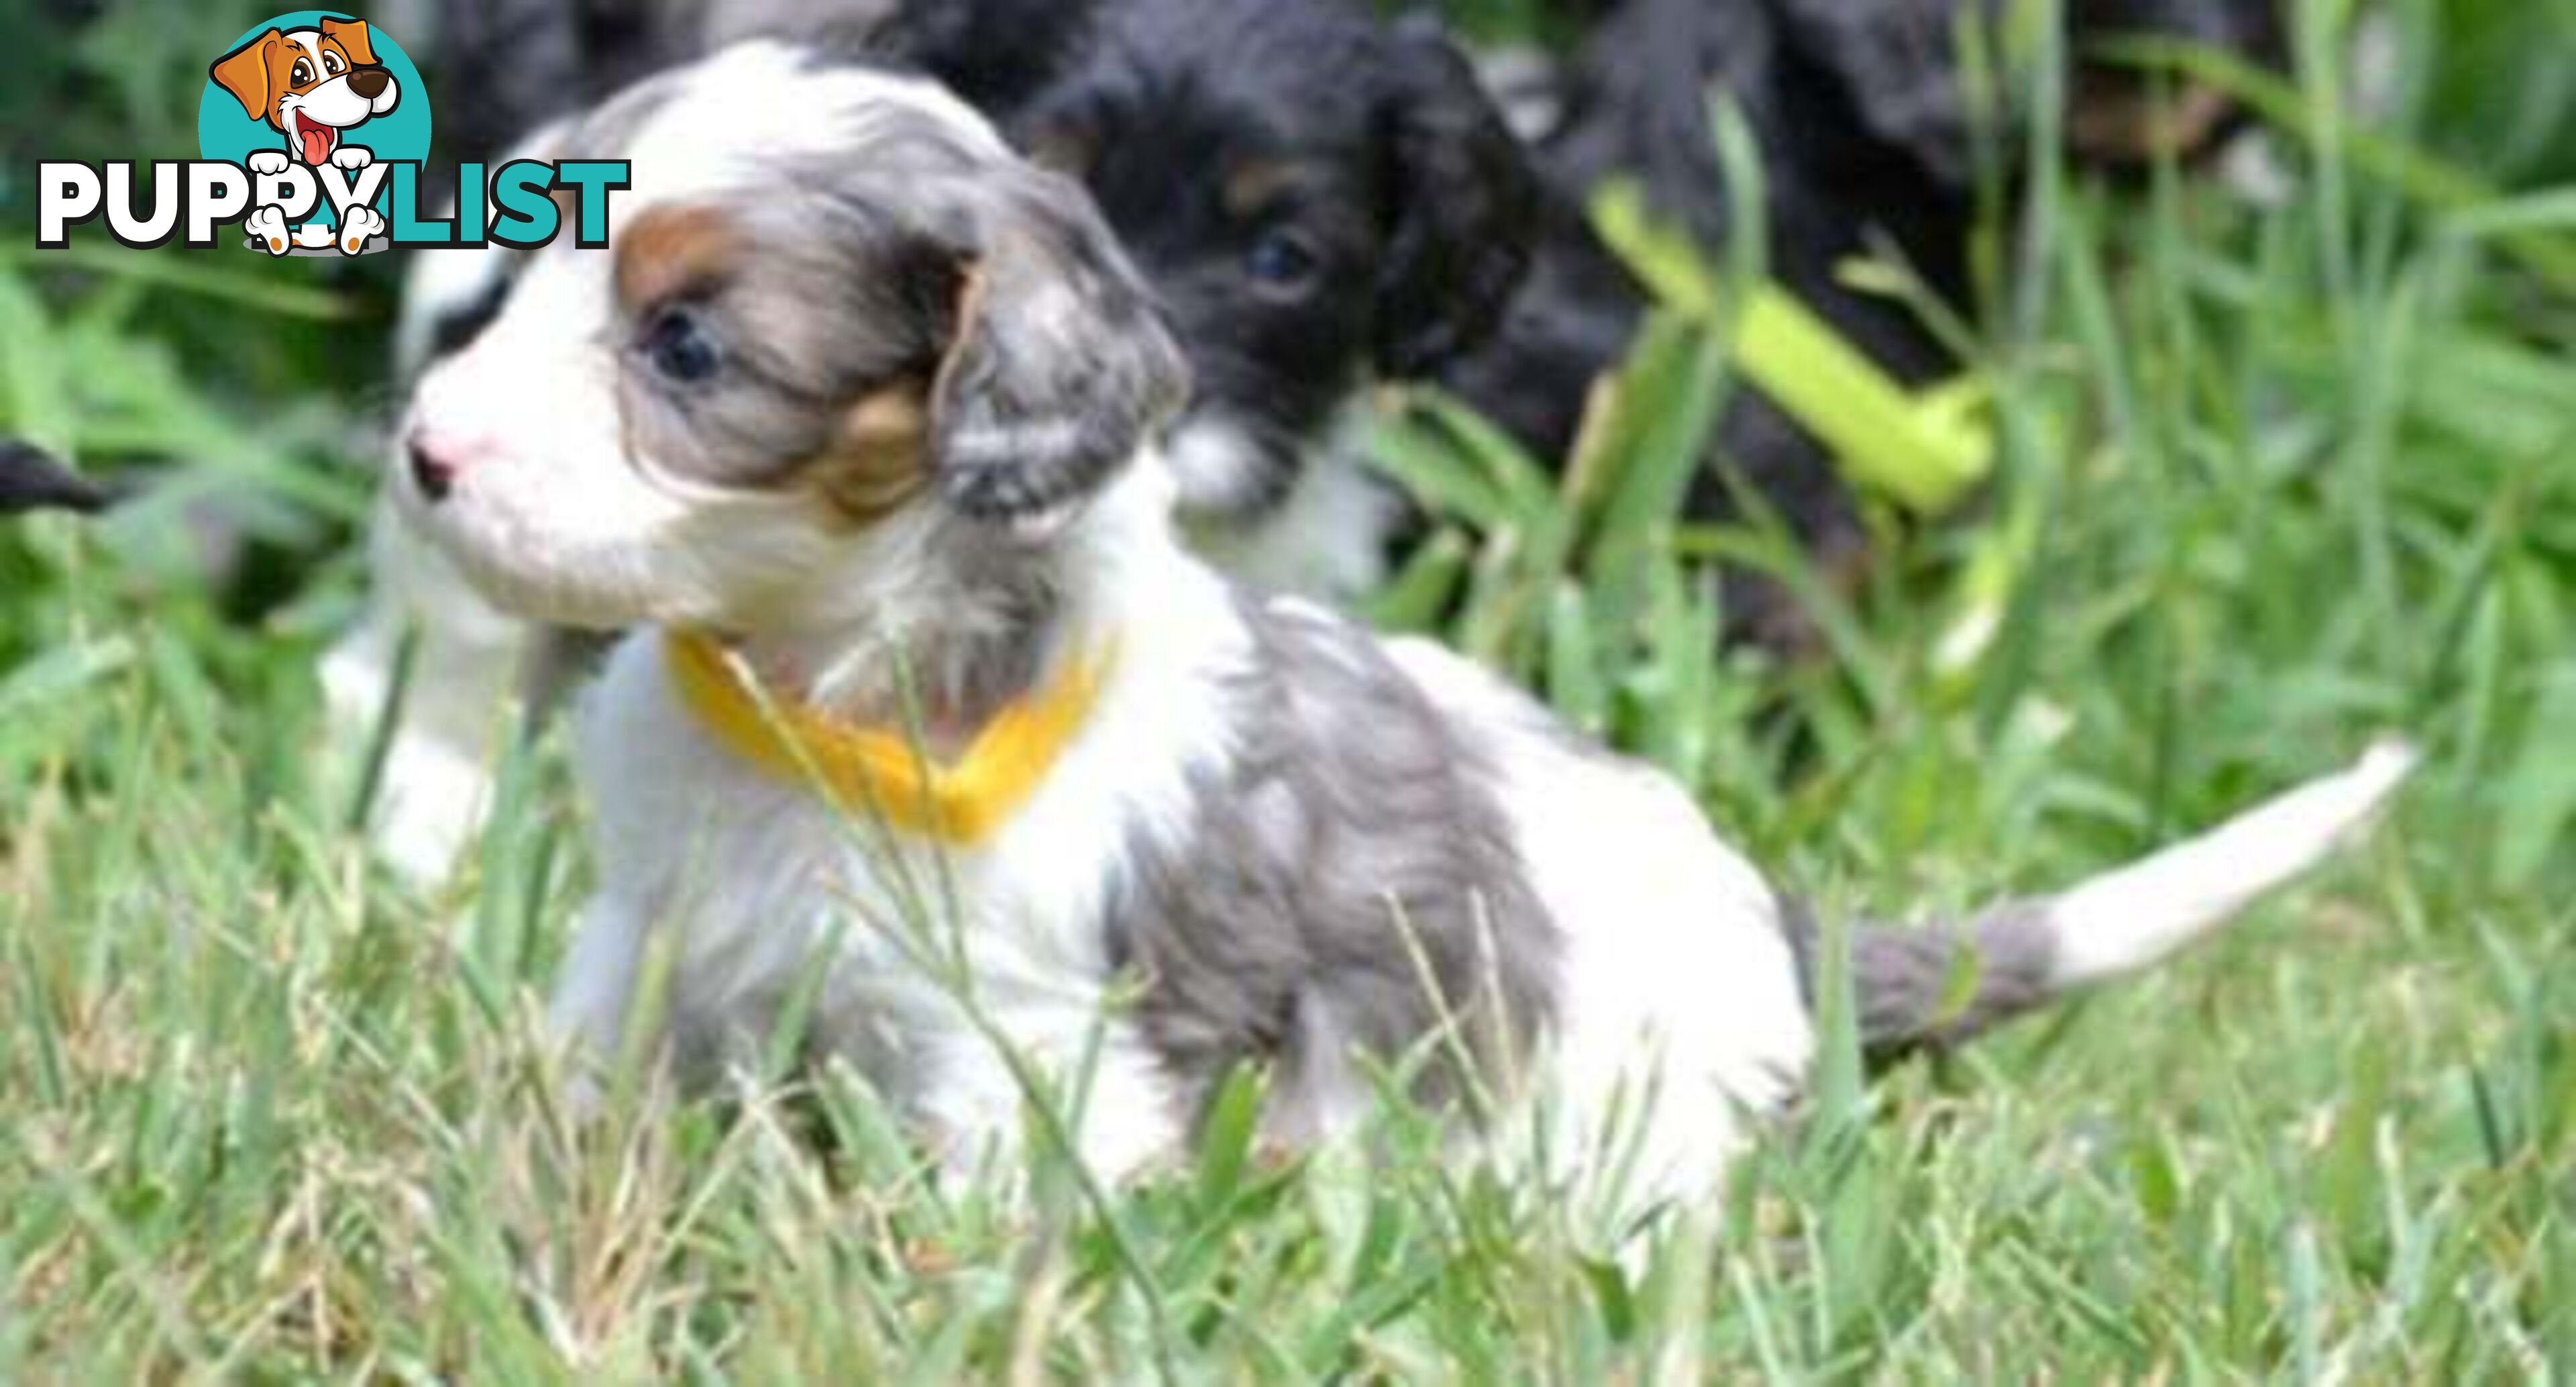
column 864, row 442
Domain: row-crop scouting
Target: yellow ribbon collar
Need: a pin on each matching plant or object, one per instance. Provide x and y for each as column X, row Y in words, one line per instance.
column 878, row 771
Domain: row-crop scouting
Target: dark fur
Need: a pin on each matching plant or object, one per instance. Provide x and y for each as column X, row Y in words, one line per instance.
column 31, row 480
column 1367, row 895
column 1371, row 150
column 1905, row 981
column 529, row 61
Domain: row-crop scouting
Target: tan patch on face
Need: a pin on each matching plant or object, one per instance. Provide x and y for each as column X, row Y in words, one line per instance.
column 1250, row 189
column 879, row 458
column 672, row 249
column 2126, row 121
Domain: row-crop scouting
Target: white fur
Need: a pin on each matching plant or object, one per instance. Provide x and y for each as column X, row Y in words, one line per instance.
column 1680, row 1014
column 2124, row 920
column 1327, row 541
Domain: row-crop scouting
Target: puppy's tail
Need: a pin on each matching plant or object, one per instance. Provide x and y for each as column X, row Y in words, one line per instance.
column 29, row 480
column 1933, row 987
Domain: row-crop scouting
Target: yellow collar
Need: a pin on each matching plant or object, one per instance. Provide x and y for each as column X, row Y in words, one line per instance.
column 877, row 771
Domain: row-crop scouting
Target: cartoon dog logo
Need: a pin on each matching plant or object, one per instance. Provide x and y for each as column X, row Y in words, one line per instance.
column 312, row 86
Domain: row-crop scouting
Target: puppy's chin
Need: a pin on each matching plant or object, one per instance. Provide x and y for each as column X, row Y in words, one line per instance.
column 539, row 587
column 720, row 562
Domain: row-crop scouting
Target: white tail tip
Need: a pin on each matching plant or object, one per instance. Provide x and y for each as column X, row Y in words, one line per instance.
column 2128, row 918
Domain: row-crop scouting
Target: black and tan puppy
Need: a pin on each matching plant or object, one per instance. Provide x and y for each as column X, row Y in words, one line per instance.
column 1320, row 202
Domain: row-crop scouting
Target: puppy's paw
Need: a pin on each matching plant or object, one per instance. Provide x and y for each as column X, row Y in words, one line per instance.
column 266, row 161
column 313, row 236
column 268, row 224
column 352, row 156
column 360, row 225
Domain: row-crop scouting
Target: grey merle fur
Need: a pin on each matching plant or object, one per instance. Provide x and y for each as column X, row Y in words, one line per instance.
column 1906, row 982
column 1366, row 895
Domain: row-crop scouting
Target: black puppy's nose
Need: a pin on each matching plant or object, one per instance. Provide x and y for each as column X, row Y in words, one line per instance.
column 435, row 476
column 368, row 81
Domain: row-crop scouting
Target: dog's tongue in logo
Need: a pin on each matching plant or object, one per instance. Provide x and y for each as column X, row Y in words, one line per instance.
column 316, row 81
column 315, row 141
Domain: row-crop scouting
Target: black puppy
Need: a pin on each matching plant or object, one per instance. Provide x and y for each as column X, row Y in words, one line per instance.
column 1866, row 139
column 30, row 480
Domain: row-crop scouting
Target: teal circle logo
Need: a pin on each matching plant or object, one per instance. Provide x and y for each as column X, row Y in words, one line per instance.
column 319, row 88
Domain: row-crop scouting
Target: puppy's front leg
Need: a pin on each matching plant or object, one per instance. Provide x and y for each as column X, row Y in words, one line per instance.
column 1111, row 1100
column 593, row 990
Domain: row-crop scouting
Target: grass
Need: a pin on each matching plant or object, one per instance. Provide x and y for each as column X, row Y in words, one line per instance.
column 2270, row 480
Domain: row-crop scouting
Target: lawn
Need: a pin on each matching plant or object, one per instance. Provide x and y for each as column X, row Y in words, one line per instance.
column 2271, row 479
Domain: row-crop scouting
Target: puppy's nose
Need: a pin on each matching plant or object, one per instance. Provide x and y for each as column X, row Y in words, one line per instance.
column 368, row 81
column 433, row 475
column 436, row 460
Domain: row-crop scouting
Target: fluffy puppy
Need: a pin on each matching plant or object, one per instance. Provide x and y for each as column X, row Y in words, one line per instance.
column 1301, row 248
column 928, row 729
column 1867, row 138
column 1320, row 202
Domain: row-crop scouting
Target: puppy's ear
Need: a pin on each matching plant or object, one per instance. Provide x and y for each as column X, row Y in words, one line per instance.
column 1899, row 65
column 355, row 38
column 1058, row 365
column 246, row 72
column 1465, row 202
column 994, row 53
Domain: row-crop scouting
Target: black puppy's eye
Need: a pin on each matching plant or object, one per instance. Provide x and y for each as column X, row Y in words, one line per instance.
column 678, row 347
column 331, row 62
column 300, row 74
column 1283, row 261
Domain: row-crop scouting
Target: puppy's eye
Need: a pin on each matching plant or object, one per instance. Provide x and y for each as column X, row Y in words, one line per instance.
column 301, row 74
column 676, row 344
column 331, row 63
column 1283, row 262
